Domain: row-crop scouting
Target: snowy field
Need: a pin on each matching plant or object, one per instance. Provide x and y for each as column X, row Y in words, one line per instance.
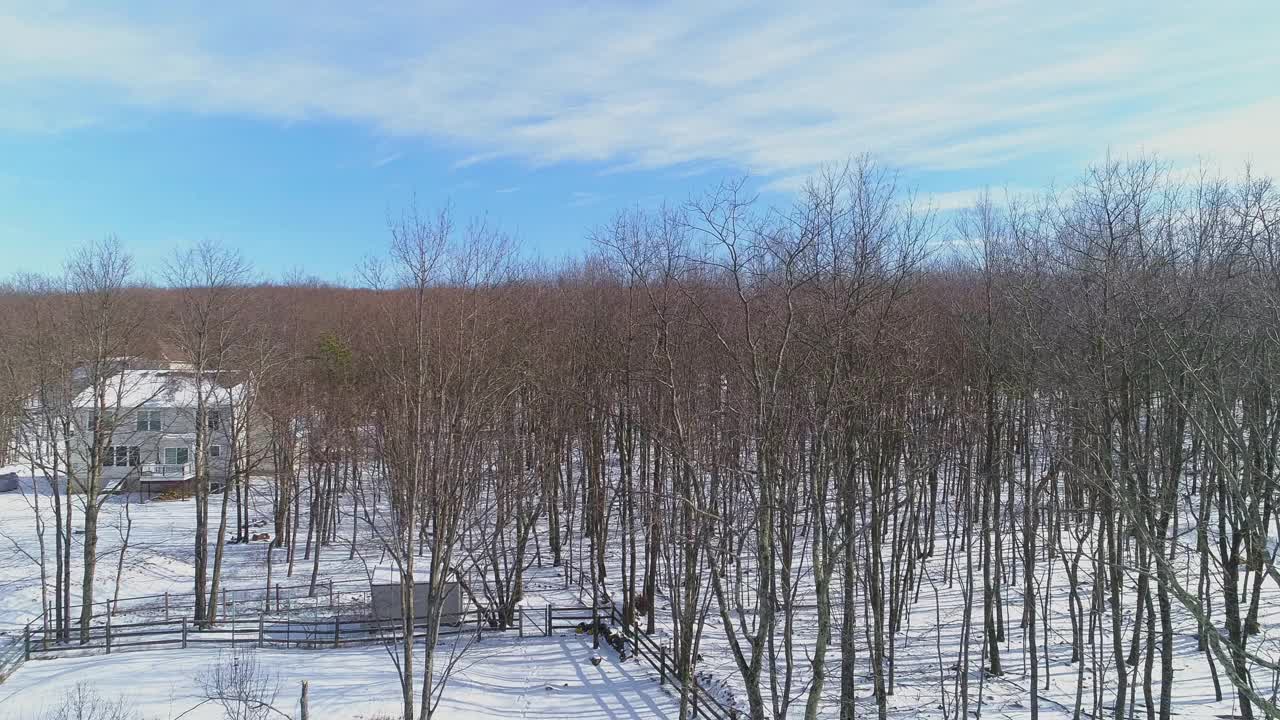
column 507, row 677
column 502, row 676
column 160, row 556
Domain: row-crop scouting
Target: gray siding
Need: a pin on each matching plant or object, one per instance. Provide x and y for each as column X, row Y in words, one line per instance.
column 148, row 466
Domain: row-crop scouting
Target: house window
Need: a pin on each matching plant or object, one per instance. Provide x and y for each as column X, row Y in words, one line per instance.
column 175, row 456
column 149, row 420
column 215, row 451
column 122, row 456
column 213, row 419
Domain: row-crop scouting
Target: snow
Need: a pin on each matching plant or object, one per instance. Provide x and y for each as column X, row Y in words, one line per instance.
column 159, row 388
column 507, row 677
column 927, row 648
column 388, row 574
column 502, row 676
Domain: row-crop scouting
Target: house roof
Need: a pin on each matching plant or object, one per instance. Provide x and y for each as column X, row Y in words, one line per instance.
column 165, row 388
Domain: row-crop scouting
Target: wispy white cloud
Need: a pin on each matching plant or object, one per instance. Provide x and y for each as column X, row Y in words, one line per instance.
column 1229, row 139
column 386, row 159
column 955, row 199
column 948, row 85
column 962, row 199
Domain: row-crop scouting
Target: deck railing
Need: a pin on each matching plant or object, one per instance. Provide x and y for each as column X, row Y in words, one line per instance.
column 154, row 470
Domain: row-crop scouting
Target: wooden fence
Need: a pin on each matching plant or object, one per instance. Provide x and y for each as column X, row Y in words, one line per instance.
column 241, row 632
column 325, row 595
column 262, row 630
column 12, row 655
column 585, row 618
column 703, row 704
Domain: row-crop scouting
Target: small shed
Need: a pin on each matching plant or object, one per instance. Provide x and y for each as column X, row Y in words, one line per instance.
column 8, row 482
column 385, row 592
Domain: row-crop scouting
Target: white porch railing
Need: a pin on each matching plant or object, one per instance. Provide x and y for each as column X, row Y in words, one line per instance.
column 177, row 472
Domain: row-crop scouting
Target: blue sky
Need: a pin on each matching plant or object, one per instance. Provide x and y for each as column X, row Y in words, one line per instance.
column 290, row 131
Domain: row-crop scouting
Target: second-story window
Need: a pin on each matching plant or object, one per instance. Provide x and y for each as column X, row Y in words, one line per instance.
column 149, row 420
column 214, row 419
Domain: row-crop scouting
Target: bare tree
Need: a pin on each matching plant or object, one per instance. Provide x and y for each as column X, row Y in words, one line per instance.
column 206, row 329
column 243, row 686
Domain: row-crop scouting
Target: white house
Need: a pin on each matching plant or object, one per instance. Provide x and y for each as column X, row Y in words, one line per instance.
column 151, row 422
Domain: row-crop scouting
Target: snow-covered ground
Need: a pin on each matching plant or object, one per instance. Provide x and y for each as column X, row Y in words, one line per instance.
column 927, row 649
column 507, row 677
column 160, row 560
column 502, row 676
column 160, row 556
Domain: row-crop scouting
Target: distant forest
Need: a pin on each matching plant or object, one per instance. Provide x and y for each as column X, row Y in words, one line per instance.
column 788, row 419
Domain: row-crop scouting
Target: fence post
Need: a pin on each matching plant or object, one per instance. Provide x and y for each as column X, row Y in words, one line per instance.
column 277, row 597
column 595, row 624
column 108, row 633
column 330, row 593
column 26, row 639
column 184, row 633
column 260, row 630
column 520, row 620
column 337, row 623
column 224, row 602
column 662, row 665
column 548, row 625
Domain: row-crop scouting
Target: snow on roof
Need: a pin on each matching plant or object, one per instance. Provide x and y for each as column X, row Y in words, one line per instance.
column 163, row 388
column 390, row 575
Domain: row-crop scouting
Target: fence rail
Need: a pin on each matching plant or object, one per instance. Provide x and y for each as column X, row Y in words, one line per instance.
column 12, row 655
column 703, row 703
column 278, row 598
column 262, row 630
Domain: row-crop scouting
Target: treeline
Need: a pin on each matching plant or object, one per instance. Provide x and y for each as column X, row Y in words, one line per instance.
column 785, row 417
